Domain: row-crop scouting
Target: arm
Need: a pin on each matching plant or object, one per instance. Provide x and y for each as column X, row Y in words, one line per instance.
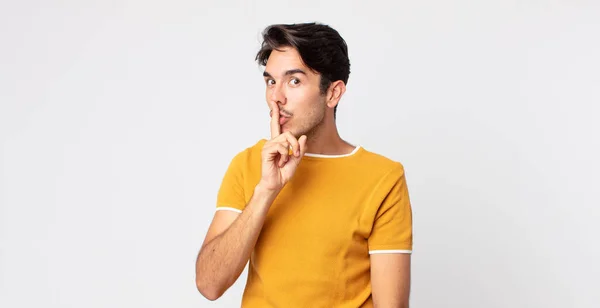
column 390, row 279
column 228, row 244
column 390, row 244
column 231, row 238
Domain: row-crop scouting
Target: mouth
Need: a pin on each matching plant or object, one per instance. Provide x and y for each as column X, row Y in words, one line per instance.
column 283, row 119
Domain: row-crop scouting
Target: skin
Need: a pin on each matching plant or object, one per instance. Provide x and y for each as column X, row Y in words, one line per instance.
column 292, row 92
column 301, row 121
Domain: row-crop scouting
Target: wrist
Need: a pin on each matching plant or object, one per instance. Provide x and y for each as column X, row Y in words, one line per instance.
column 265, row 192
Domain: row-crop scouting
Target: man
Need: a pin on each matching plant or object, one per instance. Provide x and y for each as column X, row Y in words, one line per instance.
column 322, row 222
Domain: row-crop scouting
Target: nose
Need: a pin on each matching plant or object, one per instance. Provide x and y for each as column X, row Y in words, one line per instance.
column 277, row 95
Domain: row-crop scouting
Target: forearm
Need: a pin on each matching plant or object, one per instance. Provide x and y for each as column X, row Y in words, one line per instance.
column 222, row 260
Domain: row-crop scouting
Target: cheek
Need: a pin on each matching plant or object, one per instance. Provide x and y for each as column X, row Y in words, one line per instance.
column 305, row 98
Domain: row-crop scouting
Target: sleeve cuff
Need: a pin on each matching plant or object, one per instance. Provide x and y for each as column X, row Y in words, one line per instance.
column 380, row 251
column 226, row 208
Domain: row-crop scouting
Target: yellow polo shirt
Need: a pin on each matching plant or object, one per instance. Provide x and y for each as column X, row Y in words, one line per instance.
column 314, row 247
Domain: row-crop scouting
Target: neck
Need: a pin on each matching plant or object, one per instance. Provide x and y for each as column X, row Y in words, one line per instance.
column 325, row 140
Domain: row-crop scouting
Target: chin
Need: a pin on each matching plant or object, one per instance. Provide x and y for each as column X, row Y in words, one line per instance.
column 293, row 131
column 287, row 129
column 298, row 131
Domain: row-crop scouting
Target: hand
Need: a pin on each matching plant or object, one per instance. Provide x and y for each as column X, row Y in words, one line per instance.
column 280, row 155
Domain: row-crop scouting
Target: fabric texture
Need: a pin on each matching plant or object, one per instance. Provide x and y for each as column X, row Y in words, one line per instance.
column 314, row 248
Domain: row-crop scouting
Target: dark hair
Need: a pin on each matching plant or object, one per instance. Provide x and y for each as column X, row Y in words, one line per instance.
column 321, row 48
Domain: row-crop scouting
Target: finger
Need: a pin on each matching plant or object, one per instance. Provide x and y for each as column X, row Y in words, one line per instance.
column 282, row 161
column 302, row 144
column 275, row 127
column 280, row 140
column 302, row 149
column 284, row 156
column 273, row 147
column 293, row 142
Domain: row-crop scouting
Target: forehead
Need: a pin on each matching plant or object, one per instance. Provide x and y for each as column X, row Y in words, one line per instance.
column 285, row 59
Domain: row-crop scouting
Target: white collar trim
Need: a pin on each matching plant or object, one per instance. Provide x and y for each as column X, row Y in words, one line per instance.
column 333, row 156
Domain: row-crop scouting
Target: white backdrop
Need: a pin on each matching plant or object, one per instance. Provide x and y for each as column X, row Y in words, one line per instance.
column 118, row 119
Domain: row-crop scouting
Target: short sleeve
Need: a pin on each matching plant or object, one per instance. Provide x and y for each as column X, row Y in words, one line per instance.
column 231, row 194
column 392, row 225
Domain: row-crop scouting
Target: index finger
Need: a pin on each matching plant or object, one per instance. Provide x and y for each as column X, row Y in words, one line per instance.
column 275, row 127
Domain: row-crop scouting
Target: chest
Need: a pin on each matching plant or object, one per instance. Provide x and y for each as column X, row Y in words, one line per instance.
column 319, row 217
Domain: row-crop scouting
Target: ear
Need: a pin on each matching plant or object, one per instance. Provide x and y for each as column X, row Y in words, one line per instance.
column 335, row 92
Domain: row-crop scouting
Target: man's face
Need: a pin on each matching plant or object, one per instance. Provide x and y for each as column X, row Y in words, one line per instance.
column 295, row 89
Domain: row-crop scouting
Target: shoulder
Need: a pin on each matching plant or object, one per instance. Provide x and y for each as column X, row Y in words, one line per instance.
column 384, row 166
column 249, row 154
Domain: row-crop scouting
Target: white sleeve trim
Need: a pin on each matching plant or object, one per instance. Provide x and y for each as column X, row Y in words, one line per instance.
column 225, row 208
column 389, row 251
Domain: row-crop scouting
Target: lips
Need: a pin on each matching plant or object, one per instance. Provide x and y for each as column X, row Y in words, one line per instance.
column 283, row 119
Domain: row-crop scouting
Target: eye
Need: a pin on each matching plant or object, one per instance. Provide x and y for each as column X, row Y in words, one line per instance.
column 270, row 82
column 295, row 81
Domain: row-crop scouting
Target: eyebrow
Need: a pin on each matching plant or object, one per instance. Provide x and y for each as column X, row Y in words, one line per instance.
column 287, row 73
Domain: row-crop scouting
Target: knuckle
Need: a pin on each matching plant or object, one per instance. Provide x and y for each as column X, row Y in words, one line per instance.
column 267, row 148
column 282, row 142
